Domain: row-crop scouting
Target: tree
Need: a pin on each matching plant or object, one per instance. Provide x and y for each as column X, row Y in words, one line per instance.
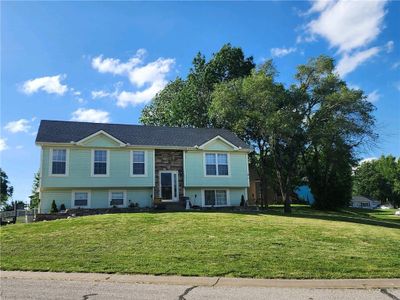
column 6, row 189
column 185, row 102
column 34, row 203
column 53, row 208
column 267, row 116
column 337, row 122
column 379, row 179
column 17, row 204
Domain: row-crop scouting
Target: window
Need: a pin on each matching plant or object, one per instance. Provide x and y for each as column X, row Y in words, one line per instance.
column 364, row 204
column 81, row 199
column 217, row 164
column 100, row 162
column 138, row 163
column 117, row 198
column 215, row 198
column 59, row 162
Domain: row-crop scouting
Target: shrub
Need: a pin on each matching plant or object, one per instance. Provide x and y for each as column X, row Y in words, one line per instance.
column 62, row 207
column 242, row 202
column 53, row 207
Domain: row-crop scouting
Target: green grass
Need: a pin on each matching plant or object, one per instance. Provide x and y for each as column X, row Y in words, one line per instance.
column 307, row 244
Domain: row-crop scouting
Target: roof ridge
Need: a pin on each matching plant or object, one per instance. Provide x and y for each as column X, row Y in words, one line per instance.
column 139, row 125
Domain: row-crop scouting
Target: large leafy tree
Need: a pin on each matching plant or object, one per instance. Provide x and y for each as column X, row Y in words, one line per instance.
column 6, row 188
column 379, row 179
column 35, row 200
column 266, row 115
column 337, row 122
column 185, row 102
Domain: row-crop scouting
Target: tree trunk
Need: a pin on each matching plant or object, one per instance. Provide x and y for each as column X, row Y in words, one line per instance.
column 264, row 191
column 287, row 208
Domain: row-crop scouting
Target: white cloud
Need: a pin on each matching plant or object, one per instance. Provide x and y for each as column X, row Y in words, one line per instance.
column 147, row 79
column 3, row 144
column 349, row 62
column 389, row 46
column 397, row 85
column 373, row 96
column 21, row 125
column 19, row 147
column 279, row 52
column 48, row 84
column 115, row 66
column 348, row 25
column 320, row 5
column 396, row 65
column 139, row 97
column 100, row 94
column 368, row 159
column 91, row 115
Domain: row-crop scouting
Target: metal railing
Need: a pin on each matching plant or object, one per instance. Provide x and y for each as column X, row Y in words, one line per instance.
column 18, row 216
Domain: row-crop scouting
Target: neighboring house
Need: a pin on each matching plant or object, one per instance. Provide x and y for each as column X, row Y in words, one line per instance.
column 93, row 165
column 364, row 202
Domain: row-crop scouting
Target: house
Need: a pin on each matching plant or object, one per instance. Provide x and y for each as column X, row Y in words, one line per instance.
column 94, row 165
column 364, row 202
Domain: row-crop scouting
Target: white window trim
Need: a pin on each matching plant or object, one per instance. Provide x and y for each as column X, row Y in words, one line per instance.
column 80, row 191
column 131, row 163
column 216, row 162
column 117, row 191
column 66, row 162
column 203, row 200
column 107, row 162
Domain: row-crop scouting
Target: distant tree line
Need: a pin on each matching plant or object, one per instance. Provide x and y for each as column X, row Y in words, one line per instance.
column 379, row 179
column 308, row 132
column 7, row 191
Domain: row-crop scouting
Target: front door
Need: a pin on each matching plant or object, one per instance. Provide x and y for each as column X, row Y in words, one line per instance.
column 169, row 185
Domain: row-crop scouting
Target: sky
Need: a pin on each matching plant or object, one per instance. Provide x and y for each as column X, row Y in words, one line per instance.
column 103, row 61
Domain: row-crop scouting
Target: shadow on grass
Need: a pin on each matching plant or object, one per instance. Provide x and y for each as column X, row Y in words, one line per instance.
column 304, row 212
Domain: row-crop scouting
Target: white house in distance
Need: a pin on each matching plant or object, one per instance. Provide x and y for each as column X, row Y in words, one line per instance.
column 364, row 202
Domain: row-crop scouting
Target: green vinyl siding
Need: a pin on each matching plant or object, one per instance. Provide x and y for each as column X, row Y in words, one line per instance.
column 195, row 171
column 59, row 196
column 100, row 140
column 99, row 198
column 79, row 170
column 196, row 195
column 218, row 145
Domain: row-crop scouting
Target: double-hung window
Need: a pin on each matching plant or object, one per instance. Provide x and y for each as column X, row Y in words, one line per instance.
column 59, row 162
column 117, row 198
column 216, row 164
column 100, row 160
column 138, row 163
column 81, row 199
column 215, row 198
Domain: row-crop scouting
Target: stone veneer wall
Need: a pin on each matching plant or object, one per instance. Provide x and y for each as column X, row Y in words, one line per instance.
column 168, row 160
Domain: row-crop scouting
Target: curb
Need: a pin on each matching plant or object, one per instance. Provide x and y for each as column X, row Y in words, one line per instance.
column 208, row 281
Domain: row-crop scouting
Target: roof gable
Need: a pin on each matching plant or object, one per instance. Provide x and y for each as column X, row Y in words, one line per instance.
column 218, row 143
column 100, row 139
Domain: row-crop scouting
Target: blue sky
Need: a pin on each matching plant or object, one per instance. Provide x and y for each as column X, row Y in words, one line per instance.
column 103, row 61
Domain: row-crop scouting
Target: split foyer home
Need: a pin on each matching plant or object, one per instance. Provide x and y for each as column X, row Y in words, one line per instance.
column 94, row 165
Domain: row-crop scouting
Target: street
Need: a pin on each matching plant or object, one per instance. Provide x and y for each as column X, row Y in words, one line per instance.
column 120, row 287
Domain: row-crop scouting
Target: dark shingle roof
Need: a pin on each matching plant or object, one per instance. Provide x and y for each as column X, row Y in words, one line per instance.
column 138, row 135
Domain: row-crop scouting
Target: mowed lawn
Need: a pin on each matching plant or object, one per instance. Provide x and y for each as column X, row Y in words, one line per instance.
column 308, row 244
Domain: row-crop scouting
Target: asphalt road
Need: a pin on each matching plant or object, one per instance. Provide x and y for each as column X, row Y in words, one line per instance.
column 25, row 288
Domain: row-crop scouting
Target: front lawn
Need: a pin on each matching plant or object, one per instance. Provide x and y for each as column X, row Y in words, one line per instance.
column 308, row 244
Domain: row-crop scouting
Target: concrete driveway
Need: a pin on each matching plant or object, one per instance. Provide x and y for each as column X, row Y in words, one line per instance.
column 32, row 285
